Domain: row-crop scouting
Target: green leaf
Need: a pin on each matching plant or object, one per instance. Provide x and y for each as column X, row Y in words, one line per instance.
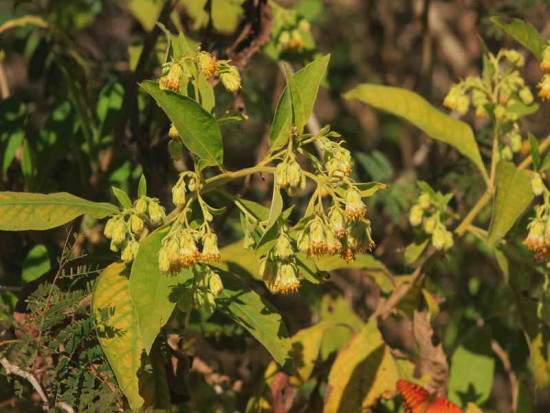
column 198, row 129
column 206, row 91
column 298, row 116
column 154, row 293
column 122, row 197
column 417, row 110
column 415, row 249
column 271, row 229
column 535, row 151
column 513, row 196
column 362, row 373
column 257, row 316
column 307, row 81
column 14, row 143
column 524, row 33
column 370, row 188
column 472, row 368
column 545, row 163
column 22, row 211
column 142, row 187
column 36, row 263
column 119, row 335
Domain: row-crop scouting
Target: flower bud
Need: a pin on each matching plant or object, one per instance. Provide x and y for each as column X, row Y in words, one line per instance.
column 355, row 208
column 286, row 280
column 462, row 104
column 506, row 153
column 141, row 206
column 109, row 226
column 198, row 299
column 156, row 212
column 231, row 79
column 544, row 87
column 448, row 241
column 210, row 251
column 173, row 132
column 119, row 231
column 172, row 80
column 545, row 64
column 137, row 224
column 438, row 237
column 430, row 224
column 175, row 149
column 537, row 184
column 130, row 251
column 248, row 240
column 424, row 200
column 339, row 162
column 268, row 269
column 337, row 222
column 304, row 26
column 525, row 95
column 416, row 214
column 207, row 64
column 514, row 57
column 283, row 247
column 215, row 283
column 178, row 193
column 515, row 141
column 209, row 302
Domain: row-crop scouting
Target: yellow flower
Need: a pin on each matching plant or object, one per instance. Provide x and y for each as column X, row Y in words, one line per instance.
column 355, row 208
column 231, row 78
column 544, row 87
column 286, row 280
column 545, row 64
column 207, row 64
column 172, row 80
column 210, row 251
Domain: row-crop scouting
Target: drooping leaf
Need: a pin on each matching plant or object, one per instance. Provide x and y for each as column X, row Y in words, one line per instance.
column 257, row 316
column 524, row 33
column 363, row 372
column 154, row 293
column 198, row 129
column 307, row 81
column 417, row 110
column 36, row 263
column 472, row 368
column 513, row 195
column 120, row 339
column 22, row 211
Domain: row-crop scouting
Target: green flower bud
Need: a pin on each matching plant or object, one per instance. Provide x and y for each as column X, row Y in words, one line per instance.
column 514, row 57
column 416, row 214
column 283, row 247
column 156, row 212
column 430, row 224
column 109, row 227
column 119, row 231
column 515, row 141
column 130, row 251
column 424, row 200
column 526, row 96
column 231, row 79
column 141, row 206
column 438, row 237
column 178, row 193
column 215, row 284
column 137, row 224
column 173, row 132
column 210, row 251
column 355, row 208
column 462, row 104
column 537, row 184
column 506, row 153
column 175, row 148
column 209, row 302
column 448, row 242
column 337, row 222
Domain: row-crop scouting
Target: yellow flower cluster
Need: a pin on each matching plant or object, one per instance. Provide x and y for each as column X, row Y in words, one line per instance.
column 426, row 213
column 185, row 247
column 544, row 85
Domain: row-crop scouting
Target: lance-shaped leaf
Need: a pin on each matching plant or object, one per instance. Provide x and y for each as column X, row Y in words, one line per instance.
column 306, row 82
column 363, row 372
column 154, row 293
column 260, row 318
column 22, row 211
column 524, row 33
column 120, row 339
column 417, row 110
column 198, row 130
column 513, row 196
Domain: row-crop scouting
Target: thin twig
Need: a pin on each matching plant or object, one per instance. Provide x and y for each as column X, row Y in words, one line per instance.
column 505, row 360
column 13, row 369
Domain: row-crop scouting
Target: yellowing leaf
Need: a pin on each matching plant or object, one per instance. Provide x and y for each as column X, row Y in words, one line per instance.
column 417, row 110
column 539, row 360
column 22, row 211
column 472, row 408
column 513, row 196
column 363, row 372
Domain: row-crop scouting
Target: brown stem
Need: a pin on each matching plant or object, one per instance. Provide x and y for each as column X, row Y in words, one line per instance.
column 13, row 369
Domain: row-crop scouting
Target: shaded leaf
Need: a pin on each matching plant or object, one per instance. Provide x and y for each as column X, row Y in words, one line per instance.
column 122, row 197
column 535, row 151
column 198, row 129
column 142, row 187
column 513, row 196
column 417, row 110
column 22, row 211
column 257, row 316
column 524, row 33
column 415, row 249
column 35, row 264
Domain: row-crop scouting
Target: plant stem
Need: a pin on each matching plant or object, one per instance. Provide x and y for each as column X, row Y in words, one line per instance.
column 481, row 202
column 543, row 145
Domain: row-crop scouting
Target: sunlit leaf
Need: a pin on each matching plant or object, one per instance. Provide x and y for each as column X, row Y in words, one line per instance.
column 22, row 211
column 524, row 33
column 363, row 372
column 417, row 110
column 472, row 368
column 198, row 129
column 307, row 81
column 513, row 195
column 154, row 293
